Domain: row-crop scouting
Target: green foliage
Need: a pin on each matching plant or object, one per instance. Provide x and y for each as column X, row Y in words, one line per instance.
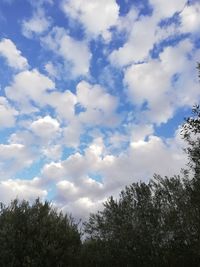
column 37, row 235
column 153, row 224
column 191, row 133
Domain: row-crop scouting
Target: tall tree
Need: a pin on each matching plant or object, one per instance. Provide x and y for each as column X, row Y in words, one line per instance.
column 150, row 225
column 191, row 133
column 37, row 236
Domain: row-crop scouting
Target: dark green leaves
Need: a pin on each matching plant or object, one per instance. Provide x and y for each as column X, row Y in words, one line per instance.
column 37, row 235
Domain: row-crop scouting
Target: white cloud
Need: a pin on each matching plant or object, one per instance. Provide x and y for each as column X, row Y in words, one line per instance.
column 141, row 131
column 139, row 43
column 117, row 141
column 141, row 161
column 100, row 106
column 13, row 158
column 23, row 137
column 190, row 19
column 164, row 9
column 125, row 23
column 82, row 207
column 146, row 81
column 154, row 82
column 51, row 69
column 73, row 176
column 76, row 54
column 71, row 134
column 12, row 55
column 21, row 189
column 64, row 104
column 38, row 24
column 29, row 86
column 76, row 165
column 67, row 191
column 55, row 124
column 96, row 16
column 53, row 152
column 45, row 128
column 53, row 171
column 7, row 113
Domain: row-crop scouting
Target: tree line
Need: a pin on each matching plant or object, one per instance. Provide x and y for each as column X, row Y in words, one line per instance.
column 153, row 224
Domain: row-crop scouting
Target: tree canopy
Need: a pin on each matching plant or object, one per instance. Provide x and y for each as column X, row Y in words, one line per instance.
column 37, row 235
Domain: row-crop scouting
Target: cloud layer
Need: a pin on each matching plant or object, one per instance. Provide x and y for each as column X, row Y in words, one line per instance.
column 95, row 104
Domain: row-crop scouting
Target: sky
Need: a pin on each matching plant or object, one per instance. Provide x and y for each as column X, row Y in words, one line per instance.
column 92, row 96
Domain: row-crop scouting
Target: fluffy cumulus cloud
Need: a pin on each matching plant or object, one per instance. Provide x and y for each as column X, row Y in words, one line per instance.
column 29, row 86
column 140, row 42
column 96, row 16
column 140, row 161
column 21, row 189
column 64, row 104
column 154, row 82
column 37, row 25
column 168, row 8
column 14, row 158
column 8, row 114
column 51, row 69
column 75, row 53
column 45, row 127
column 72, row 133
column 81, row 115
column 99, row 106
column 12, row 55
column 190, row 20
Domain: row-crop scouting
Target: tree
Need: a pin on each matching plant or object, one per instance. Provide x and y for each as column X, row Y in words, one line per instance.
column 37, row 235
column 191, row 134
column 150, row 225
column 154, row 224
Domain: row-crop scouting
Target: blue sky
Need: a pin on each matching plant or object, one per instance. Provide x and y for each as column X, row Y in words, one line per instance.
column 92, row 96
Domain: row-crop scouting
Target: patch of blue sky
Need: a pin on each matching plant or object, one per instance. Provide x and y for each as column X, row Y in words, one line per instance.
column 51, row 194
column 101, row 70
column 5, row 133
column 167, row 130
column 96, row 176
column 72, row 26
column 79, row 108
column 86, row 138
column 46, row 110
column 125, row 6
column 13, row 14
column 143, row 6
column 196, row 42
column 119, row 38
column 98, row 60
column 32, row 171
column 67, row 152
column 38, row 56
column 174, row 20
column 5, row 75
column 145, row 9
column 124, row 110
column 170, row 41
